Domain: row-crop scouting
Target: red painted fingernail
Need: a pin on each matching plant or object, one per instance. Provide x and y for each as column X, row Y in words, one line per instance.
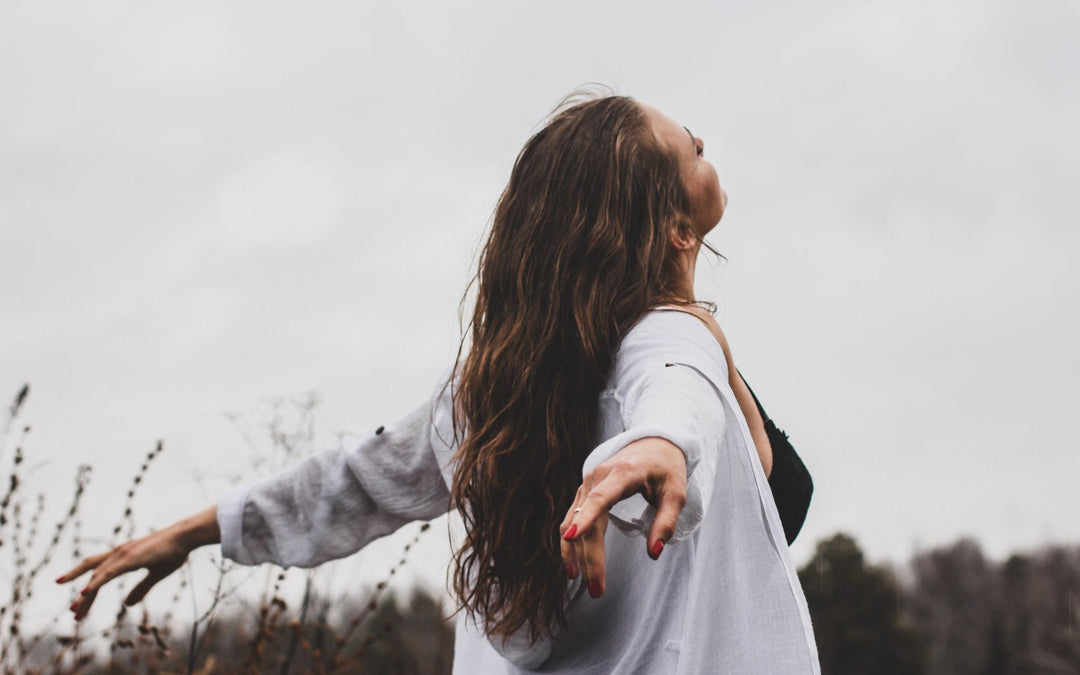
column 59, row 580
column 84, row 591
column 570, row 533
column 74, row 606
column 657, row 549
column 594, row 589
column 569, row 572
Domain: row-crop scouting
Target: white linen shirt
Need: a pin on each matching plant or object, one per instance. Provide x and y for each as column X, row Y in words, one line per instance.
column 723, row 597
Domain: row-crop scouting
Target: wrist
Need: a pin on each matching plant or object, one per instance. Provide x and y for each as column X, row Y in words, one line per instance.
column 200, row 529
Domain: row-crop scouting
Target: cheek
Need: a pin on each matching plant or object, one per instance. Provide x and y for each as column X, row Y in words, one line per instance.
column 714, row 204
column 721, row 194
column 715, row 196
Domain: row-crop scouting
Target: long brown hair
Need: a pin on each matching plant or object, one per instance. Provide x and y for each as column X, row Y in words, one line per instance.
column 578, row 252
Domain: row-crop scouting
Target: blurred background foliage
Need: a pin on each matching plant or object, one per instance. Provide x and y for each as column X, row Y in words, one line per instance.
column 957, row 613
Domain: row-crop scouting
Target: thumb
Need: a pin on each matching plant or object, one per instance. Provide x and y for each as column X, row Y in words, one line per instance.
column 663, row 525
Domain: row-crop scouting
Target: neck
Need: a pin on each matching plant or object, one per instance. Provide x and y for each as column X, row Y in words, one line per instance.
column 685, row 264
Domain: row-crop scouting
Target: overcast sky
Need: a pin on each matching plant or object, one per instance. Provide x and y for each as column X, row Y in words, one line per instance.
column 206, row 205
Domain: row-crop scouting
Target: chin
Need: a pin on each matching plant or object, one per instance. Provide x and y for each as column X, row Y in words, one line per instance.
column 706, row 230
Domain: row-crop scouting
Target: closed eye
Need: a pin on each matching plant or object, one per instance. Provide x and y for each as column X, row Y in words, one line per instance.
column 699, row 148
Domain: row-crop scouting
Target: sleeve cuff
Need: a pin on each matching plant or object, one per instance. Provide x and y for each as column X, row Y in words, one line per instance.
column 230, row 519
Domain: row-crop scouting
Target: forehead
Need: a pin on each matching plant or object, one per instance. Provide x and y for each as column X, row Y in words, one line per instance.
column 669, row 132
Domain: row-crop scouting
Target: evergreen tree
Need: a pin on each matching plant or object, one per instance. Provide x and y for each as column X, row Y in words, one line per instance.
column 855, row 609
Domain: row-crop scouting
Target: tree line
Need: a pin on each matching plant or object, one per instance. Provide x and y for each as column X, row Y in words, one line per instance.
column 958, row 613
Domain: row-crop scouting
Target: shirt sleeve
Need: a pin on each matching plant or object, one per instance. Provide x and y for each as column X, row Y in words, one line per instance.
column 677, row 402
column 336, row 501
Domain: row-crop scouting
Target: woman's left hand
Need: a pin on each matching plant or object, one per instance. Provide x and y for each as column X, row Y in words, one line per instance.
column 653, row 467
column 160, row 553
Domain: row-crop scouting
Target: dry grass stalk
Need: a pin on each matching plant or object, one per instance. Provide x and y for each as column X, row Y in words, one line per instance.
column 13, row 411
column 373, row 605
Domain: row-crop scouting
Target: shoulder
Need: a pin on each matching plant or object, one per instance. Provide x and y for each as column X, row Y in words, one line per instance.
column 670, row 332
column 671, row 323
column 663, row 336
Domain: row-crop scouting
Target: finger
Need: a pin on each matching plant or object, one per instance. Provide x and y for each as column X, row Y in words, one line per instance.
column 117, row 564
column 663, row 525
column 82, row 568
column 579, row 558
column 569, row 558
column 590, row 547
column 566, row 548
column 81, row 606
column 569, row 517
column 104, row 573
column 618, row 484
column 571, row 525
column 142, row 588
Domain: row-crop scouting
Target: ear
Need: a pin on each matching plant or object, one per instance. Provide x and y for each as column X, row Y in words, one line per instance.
column 682, row 237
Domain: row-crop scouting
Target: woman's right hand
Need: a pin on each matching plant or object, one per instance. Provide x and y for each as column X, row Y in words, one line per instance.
column 651, row 466
column 160, row 553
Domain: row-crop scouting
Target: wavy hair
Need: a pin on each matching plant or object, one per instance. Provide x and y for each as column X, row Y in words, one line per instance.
column 578, row 252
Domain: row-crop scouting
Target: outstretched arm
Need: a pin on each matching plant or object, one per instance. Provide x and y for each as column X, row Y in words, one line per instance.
column 328, row 506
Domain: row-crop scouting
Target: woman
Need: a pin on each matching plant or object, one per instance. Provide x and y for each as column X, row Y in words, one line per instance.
column 595, row 391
